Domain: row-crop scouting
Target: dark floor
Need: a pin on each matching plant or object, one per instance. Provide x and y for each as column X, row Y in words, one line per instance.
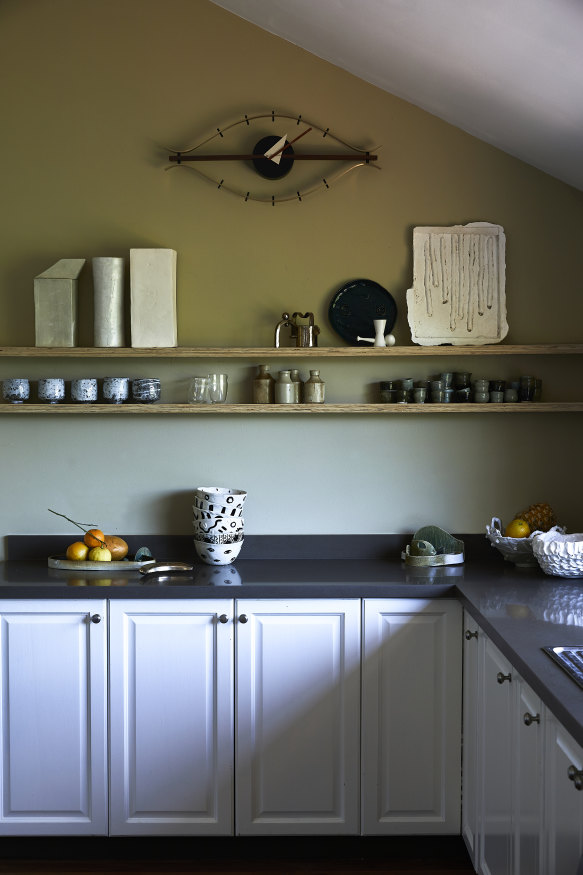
column 237, row 856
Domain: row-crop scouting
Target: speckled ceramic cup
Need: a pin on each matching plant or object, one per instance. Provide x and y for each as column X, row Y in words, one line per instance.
column 116, row 390
column 84, row 390
column 51, row 390
column 16, row 390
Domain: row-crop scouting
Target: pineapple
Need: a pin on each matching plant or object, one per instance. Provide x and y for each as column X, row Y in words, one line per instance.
column 540, row 517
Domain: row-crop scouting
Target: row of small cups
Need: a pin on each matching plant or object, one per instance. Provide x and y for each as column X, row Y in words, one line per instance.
column 218, row 523
column 51, row 390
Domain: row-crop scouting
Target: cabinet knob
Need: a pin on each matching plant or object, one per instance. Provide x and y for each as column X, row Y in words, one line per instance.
column 531, row 718
column 469, row 635
column 223, row 618
column 503, row 677
column 576, row 776
column 96, row 618
column 243, row 618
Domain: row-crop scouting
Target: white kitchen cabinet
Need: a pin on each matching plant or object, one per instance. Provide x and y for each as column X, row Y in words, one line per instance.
column 528, row 739
column 469, row 735
column 495, row 759
column 563, row 801
column 297, row 716
column 171, row 717
column 411, row 713
column 53, row 768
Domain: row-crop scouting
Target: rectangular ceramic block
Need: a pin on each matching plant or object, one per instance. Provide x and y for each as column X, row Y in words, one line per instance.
column 459, row 277
column 153, row 297
column 55, row 303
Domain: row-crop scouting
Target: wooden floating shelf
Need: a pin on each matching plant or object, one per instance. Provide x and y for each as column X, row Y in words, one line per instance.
column 293, row 352
column 289, row 409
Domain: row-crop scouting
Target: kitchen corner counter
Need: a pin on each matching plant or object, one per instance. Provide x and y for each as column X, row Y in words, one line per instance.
column 521, row 610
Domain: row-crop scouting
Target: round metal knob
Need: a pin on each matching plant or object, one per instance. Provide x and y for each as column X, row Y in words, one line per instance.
column 531, row 718
column 503, row 677
column 243, row 618
column 575, row 775
column 95, row 618
column 223, row 618
column 469, row 635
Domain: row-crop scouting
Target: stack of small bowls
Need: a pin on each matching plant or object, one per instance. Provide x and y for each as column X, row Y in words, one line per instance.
column 218, row 523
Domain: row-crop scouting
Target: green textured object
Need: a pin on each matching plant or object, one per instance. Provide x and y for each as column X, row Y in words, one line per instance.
column 440, row 539
column 422, row 548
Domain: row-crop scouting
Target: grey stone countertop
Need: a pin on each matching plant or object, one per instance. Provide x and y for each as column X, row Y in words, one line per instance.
column 521, row 610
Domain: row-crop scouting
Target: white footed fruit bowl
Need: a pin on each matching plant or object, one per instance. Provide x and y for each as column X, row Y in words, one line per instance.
column 517, row 550
column 558, row 553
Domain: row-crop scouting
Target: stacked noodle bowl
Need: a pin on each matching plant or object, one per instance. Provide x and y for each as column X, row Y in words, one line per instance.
column 218, row 523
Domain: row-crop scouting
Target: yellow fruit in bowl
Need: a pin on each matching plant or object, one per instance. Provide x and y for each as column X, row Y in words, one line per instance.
column 99, row 554
column 517, row 529
column 77, row 551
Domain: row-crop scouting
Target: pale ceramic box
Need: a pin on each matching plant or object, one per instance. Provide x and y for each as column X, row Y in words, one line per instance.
column 153, row 297
column 55, row 303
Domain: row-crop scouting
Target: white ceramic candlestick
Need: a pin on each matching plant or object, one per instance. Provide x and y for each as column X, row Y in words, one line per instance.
column 380, row 338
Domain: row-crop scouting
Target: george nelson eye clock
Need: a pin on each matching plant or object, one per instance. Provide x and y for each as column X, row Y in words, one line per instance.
column 258, row 161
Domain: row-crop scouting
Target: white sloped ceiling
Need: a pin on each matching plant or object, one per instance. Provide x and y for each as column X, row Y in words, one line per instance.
column 510, row 72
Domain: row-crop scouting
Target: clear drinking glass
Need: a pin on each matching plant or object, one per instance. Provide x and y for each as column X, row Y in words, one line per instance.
column 198, row 392
column 218, row 384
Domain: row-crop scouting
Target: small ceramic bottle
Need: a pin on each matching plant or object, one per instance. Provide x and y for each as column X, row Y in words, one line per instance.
column 263, row 386
column 298, row 385
column 285, row 391
column 314, row 389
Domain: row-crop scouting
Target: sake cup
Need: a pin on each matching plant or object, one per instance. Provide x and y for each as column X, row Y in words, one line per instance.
column 84, row 390
column 16, row 390
column 51, row 390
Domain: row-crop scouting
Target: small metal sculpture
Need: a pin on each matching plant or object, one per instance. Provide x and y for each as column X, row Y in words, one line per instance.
column 305, row 336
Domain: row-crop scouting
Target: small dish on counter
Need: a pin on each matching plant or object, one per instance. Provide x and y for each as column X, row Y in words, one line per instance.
column 558, row 553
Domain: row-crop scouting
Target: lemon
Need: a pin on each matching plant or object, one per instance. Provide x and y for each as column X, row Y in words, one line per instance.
column 517, row 529
column 99, row 554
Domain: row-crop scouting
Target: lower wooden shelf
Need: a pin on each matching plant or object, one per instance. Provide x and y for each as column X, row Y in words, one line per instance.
column 289, row 409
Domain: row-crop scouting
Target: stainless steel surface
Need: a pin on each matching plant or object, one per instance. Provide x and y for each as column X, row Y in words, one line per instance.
column 570, row 659
column 162, row 567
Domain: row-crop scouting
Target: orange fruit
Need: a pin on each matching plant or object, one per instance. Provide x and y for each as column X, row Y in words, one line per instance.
column 99, row 554
column 94, row 538
column 116, row 546
column 517, row 529
column 77, row 551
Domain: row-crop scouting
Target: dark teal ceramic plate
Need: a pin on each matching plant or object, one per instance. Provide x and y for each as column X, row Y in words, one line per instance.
column 354, row 307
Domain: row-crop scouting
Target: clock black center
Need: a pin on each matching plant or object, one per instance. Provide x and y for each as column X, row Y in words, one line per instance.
column 265, row 166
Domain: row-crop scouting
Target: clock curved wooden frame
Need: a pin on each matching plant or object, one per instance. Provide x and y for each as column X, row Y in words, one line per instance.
column 356, row 156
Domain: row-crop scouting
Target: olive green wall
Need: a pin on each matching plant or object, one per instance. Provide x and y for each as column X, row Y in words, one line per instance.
column 92, row 92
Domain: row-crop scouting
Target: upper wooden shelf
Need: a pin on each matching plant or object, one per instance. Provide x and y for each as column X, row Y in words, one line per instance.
column 292, row 352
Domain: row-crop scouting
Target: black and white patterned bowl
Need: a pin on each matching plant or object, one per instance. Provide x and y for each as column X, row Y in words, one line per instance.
column 216, row 524
column 221, row 495
column 217, row 554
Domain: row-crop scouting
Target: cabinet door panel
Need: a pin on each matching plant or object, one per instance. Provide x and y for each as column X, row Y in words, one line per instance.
column 411, row 716
column 564, row 803
column 297, row 707
column 496, row 752
column 171, row 697
column 528, row 796
column 53, row 764
column 472, row 634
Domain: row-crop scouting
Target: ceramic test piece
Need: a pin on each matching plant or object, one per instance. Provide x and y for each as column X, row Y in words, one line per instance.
column 153, row 297
column 55, row 303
